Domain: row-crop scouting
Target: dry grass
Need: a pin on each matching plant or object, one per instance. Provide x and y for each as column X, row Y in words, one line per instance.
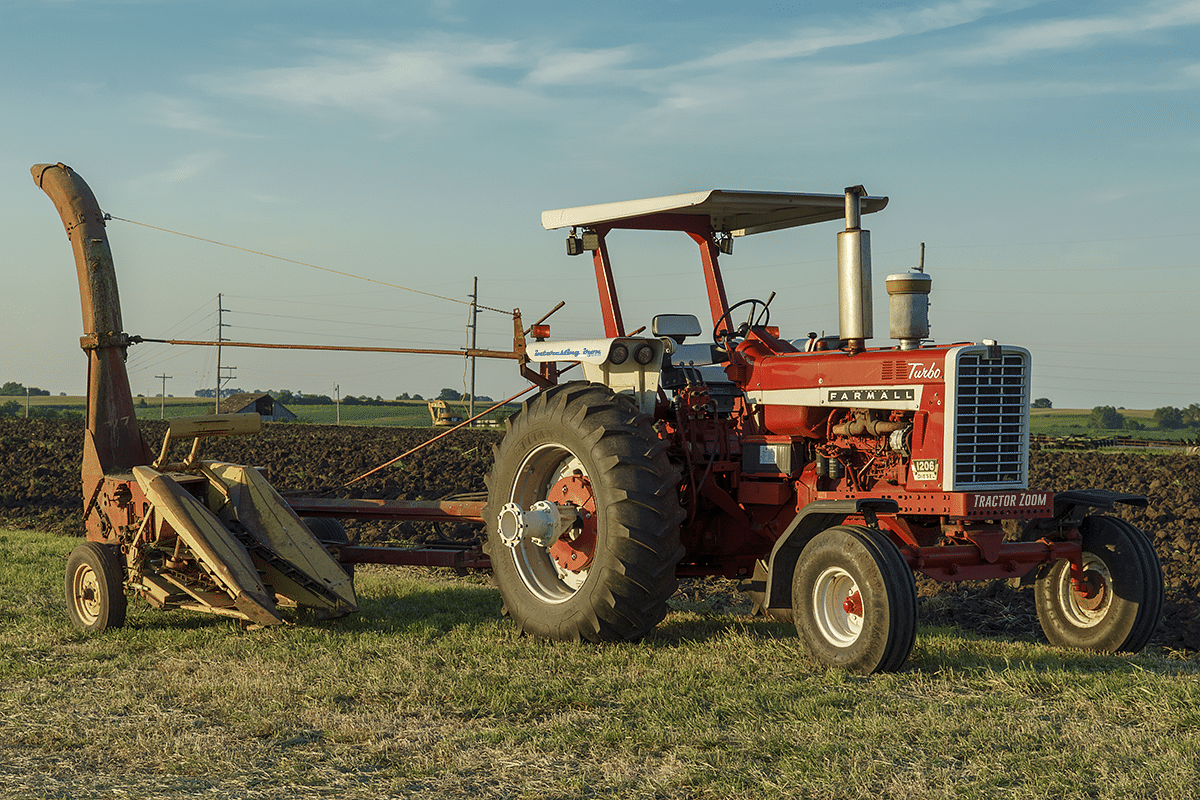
column 428, row 692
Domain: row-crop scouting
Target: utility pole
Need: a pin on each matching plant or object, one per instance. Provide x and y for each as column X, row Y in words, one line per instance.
column 337, row 402
column 220, row 338
column 220, row 324
column 226, row 379
column 162, row 410
column 474, row 326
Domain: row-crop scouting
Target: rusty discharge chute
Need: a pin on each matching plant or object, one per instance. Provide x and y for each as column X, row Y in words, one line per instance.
column 113, row 442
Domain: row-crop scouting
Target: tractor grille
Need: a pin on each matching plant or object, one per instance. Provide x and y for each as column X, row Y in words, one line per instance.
column 991, row 420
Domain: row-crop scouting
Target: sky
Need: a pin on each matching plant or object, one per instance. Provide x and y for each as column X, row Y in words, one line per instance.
column 1044, row 153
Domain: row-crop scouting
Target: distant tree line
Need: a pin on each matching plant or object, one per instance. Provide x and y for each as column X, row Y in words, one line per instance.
column 1166, row 418
column 14, row 388
column 291, row 398
column 224, row 392
column 12, row 408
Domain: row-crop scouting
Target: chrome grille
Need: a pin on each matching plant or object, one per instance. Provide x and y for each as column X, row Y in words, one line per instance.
column 991, row 419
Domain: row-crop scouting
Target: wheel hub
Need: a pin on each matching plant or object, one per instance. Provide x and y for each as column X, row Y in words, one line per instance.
column 838, row 607
column 1086, row 601
column 575, row 552
column 853, row 604
column 1091, row 591
column 87, row 594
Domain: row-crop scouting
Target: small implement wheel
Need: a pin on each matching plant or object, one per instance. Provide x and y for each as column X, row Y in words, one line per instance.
column 95, row 588
column 331, row 534
column 854, row 601
column 590, row 453
column 1117, row 605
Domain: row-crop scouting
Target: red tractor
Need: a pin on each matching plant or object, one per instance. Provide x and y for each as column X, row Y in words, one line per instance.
column 819, row 470
column 822, row 471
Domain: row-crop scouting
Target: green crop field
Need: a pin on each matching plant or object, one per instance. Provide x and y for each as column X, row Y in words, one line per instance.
column 415, row 414
column 1076, row 422
column 405, row 414
column 429, row 692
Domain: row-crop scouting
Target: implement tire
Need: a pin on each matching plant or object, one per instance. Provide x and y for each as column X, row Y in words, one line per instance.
column 330, row 532
column 95, row 588
column 607, row 579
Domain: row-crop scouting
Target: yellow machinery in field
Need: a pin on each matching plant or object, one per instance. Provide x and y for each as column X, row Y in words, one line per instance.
column 441, row 416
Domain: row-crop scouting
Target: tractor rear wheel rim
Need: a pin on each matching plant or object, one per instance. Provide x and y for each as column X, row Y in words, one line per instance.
column 543, row 469
column 833, row 587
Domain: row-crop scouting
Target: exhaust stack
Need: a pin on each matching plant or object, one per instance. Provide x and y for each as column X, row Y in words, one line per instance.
column 854, row 276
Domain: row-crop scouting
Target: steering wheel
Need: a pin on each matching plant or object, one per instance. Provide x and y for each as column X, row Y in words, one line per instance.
column 760, row 314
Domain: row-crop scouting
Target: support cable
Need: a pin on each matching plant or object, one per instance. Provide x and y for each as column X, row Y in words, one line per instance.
column 306, row 264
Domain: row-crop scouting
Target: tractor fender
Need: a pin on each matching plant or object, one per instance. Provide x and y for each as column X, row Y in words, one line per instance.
column 1102, row 499
column 815, row 517
column 627, row 365
column 1071, row 506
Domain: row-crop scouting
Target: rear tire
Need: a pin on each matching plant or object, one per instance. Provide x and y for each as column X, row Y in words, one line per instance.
column 583, row 445
column 95, row 588
column 854, row 601
column 1122, row 604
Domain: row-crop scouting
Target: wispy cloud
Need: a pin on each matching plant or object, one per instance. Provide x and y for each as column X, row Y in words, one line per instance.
column 180, row 114
column 182, row 169
column 1020, row 40
column 402, row 83
column 579, row 66
column 809, row 40
column 444, row 75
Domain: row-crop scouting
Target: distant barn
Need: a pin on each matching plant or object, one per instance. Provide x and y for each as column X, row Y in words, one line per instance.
column 267, row 407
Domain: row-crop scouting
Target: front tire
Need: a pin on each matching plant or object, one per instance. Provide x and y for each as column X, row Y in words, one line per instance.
column 1119, row 604
column 607, row 579
column 95, row 588
column 854, row 600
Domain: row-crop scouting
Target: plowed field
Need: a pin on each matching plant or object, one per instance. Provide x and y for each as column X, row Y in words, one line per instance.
column 39, row 489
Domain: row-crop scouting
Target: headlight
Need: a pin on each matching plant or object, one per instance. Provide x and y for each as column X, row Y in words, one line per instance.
column 619, row 354
column 644, row 355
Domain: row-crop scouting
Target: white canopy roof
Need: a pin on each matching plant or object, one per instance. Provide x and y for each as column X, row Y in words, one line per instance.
column 740, row 213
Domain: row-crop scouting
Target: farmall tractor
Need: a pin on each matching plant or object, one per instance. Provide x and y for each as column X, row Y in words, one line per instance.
column 820, row 471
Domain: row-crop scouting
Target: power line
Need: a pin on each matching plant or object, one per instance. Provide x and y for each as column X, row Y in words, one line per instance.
column 304, row 264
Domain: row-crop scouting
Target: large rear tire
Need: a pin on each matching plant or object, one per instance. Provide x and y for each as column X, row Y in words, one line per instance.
column 1119, row 604
column 854, row 601
column 607, row 579
column 95, row 588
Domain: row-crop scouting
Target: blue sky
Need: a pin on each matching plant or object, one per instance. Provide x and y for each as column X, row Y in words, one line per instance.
column 1047, row 153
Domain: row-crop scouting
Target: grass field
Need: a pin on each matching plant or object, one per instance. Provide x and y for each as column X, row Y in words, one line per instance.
column 429, row 692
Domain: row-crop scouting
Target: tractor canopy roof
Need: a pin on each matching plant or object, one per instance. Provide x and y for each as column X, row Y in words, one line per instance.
column 738, row 213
